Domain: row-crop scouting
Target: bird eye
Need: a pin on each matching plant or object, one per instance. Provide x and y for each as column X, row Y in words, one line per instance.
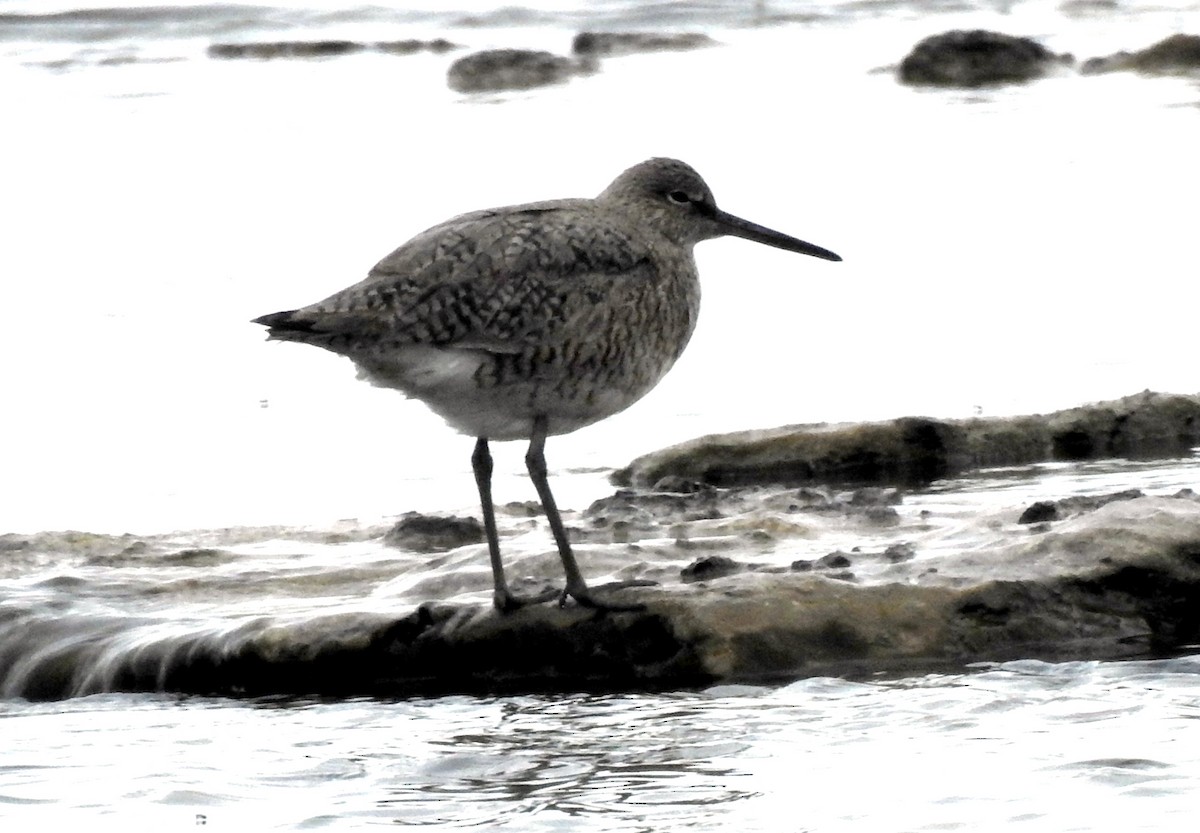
column 679, row 197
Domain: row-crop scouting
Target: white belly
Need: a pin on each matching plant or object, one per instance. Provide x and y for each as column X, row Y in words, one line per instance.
column 448, row 381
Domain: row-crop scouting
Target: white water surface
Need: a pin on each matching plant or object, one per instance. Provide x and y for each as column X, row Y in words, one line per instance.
column 1023, row 746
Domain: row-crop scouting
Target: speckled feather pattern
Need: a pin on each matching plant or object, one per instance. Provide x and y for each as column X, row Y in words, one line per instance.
column 570, row 310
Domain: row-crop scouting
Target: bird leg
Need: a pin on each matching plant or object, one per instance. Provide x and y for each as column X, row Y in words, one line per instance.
column 502, row 597
column 535, row 461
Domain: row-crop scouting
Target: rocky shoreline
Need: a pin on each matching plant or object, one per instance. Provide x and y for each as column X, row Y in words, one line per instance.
column 1095, row 576
column 1121, row 581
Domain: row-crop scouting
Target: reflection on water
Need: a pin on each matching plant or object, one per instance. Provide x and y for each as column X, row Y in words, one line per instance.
column 577, row 757
column 1046, row 747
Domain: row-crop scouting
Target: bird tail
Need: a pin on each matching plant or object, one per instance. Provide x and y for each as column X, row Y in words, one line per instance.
column 288, row 325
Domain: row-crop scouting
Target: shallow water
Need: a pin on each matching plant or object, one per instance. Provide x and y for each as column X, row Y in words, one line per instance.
column 1008, row 250
column 1024, row 745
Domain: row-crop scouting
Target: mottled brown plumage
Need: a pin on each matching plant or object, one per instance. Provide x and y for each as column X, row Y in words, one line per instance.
column 534, row 320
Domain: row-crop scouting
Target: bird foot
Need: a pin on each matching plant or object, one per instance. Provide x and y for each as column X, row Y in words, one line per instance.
column 507, row 602
column 586, row 597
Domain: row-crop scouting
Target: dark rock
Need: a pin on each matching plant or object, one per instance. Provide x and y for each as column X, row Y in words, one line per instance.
column 285, row 49
column 811, row 498
column 1173, row 55
column 1040, row 512
column 832, row 567
column 882, row 515
column 429, row 533
column 834, row 561
column 197, row 557
column 141, row 554
column 1141, row 426
column 910, row 450
column 602, row 44
column 903, row 551
column 510, row 69
column 410, row 47
column 976, row 58
column 710, row 567
column 1045, row 511
column 875, row 496
column 435, row 649
column 918, row 450
column 324, row 48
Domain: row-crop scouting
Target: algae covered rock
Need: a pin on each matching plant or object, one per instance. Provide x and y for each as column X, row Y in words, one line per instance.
column 917, row 450
column 903, row 450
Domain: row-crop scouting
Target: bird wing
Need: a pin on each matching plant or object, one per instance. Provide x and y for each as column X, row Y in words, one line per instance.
column 495, row 280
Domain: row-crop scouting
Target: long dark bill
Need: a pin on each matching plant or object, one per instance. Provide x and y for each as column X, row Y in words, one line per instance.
column 761, row 234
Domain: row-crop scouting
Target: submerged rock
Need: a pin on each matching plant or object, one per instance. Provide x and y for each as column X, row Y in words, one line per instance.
column 11, row 542
column 410, row 46
column 431, row 533
column 902, row 551
column 510, row 69
column 285, row 49
column 1176, row 54
column 1040, row 512
column 710, row 567
column 1044, row 511
column 834, row 561
column 324, row 48
column 600, row 44
column 920, row 450
column 977, row 58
